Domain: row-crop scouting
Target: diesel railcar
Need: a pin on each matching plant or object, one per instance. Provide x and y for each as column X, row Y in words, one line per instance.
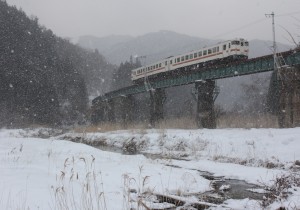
column 227, row 50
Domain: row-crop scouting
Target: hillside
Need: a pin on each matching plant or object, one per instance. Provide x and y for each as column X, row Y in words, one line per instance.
column 44, row 79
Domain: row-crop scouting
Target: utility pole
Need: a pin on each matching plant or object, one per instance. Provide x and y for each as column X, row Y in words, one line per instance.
column 274, row 41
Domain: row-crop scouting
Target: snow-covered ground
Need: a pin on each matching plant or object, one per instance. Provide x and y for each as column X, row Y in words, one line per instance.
column 54, row 173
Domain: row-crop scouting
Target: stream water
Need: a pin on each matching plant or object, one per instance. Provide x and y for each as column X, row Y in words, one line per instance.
column 223, row 188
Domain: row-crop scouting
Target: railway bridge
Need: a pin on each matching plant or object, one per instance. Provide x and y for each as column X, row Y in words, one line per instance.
column 284, row 89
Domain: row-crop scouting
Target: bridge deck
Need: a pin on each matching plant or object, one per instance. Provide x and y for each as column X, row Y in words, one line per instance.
column 239, row 68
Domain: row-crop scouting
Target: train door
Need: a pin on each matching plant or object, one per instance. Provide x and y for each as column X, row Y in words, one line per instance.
column 167, row 65
column 226, row 49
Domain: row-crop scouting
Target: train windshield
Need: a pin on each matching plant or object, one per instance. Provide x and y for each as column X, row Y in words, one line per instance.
column 235, row 43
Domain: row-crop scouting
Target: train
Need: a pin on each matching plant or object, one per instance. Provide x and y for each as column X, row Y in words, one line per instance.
column 227, row 50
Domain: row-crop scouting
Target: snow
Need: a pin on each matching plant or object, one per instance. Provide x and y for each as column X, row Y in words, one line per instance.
column 40, row 172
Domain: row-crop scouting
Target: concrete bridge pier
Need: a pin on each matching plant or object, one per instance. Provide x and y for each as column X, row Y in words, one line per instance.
column 205, row 116
column 103, row 111
column 127, row 107
column 109, row 111
column 97, row 112
column 289, row 97
column 157, row 99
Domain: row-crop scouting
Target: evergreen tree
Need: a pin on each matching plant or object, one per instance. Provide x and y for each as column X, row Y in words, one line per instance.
column 42, row 77
column 122, row 76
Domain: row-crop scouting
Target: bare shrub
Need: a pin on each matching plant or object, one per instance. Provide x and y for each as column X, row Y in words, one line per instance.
column 280, row 188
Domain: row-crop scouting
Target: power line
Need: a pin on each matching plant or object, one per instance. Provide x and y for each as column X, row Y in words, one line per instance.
column 242, row 27
column 288, row 14
column 255, row 22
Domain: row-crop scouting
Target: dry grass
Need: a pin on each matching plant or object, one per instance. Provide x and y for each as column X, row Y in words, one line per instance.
column 247, row 121
column 177, row 123
column 224, row 121
column 106, row 127
column 78, row 189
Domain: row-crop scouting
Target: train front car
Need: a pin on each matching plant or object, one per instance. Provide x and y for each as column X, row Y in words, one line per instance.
column 236, row 49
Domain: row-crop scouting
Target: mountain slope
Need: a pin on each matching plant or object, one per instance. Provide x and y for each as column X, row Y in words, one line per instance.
column 158, row 45
column 154, row 46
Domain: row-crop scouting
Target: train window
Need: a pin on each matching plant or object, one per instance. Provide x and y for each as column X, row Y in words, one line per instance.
column 166, row 63
column 218, row 49
column 191, row 56
column 186, row 57
column 242, row 43
column 148, row 68
column 195, row 55
column 246, row 43
column 178, row 59
column 235, row 42
column 156, row 65
column 224, row 47
column 200, row 53
column 228, row 45
column 182, row 58
column 214, row 49
column 159, row 65
column 204, row 52
column 209, row 51
column 171, row 61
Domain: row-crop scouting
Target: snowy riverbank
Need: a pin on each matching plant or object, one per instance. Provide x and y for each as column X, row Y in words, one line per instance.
column 48, row 173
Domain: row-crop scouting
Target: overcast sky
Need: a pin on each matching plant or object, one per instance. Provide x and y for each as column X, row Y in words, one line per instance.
column 222, row 19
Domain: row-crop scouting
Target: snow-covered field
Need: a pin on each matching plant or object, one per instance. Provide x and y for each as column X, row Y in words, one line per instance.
column 54, row 173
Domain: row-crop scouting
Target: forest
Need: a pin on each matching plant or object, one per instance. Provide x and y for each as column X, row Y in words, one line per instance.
column 44, row 79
